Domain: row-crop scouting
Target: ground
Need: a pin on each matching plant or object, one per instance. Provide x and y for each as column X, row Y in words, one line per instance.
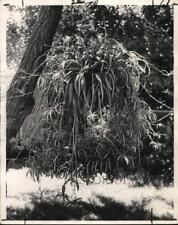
column 100, row 201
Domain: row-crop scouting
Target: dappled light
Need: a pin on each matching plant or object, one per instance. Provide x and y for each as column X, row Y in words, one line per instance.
column 90, row 113
column 98, row 201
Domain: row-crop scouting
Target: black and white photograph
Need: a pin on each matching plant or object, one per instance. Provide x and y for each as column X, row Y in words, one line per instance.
column 88, row 113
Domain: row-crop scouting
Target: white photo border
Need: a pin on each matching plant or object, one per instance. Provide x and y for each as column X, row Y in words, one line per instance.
column 3, row 89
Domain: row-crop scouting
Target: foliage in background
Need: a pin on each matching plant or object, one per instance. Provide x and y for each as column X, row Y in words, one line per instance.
column 19, row 28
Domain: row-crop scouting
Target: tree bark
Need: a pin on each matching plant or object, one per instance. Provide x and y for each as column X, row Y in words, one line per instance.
column 20, row 100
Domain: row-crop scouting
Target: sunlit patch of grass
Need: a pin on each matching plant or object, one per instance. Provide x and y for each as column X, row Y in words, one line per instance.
column 38, row 200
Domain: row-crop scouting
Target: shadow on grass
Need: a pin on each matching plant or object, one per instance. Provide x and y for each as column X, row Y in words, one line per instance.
column 100, row 208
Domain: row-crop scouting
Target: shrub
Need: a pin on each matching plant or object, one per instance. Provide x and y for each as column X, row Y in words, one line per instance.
column 90, row 118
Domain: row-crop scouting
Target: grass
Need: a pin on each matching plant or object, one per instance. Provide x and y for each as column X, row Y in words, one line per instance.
column 99, row 201
column 107, row 209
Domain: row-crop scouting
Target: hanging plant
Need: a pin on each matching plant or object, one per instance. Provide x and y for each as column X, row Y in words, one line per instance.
column 89, row 117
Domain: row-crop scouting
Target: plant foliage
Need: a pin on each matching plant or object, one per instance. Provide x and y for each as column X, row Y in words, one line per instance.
column 144, row 29
column 90, row 117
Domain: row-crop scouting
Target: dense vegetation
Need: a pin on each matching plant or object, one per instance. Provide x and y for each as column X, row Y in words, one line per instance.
column 108, row 76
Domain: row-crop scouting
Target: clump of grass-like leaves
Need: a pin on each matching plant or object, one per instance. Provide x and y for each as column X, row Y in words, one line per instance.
column 90, row 118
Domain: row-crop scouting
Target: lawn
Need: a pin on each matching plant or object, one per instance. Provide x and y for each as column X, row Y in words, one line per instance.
column 120, row 200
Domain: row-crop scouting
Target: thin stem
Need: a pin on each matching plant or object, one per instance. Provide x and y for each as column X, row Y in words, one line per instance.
column 162, row 118
column 105, row 31
column 155, row 98
column 161, row 2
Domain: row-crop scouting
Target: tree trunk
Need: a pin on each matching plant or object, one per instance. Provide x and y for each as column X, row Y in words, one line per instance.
column 20, row 101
